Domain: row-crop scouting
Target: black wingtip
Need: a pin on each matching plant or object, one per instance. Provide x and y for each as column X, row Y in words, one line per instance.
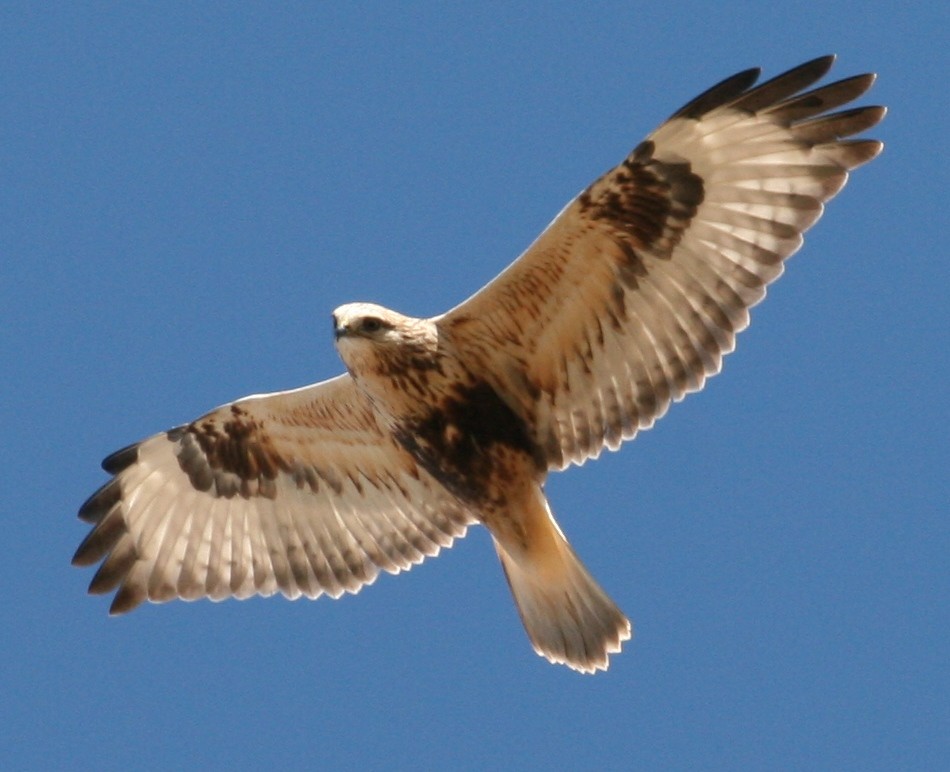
column 99, row 503
column 785, row 85
column 113, row 571
column 815, row 68
column 99, row 541
column 722, row 93
column 738, row 88
column 127, row 598
column 121, row 459
column 824, row 63
column 810, row 71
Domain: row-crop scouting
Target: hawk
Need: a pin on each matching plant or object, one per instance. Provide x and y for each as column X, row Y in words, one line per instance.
column 625, row 303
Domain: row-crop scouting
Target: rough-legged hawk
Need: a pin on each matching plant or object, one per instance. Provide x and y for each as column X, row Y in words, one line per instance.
column 625, row 303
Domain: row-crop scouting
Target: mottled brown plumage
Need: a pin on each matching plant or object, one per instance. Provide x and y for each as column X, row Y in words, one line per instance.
column 627, row 302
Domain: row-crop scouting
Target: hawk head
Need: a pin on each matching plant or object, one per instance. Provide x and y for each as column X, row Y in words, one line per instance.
column 356, row 322
column 378, row 345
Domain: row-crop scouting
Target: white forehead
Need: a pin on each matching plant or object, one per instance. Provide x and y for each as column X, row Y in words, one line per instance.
column 359, row 310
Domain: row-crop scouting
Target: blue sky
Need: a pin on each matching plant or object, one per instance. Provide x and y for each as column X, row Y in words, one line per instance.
column 189, row 190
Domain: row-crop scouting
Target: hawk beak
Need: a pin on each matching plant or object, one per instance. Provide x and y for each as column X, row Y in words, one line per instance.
column 338, row 330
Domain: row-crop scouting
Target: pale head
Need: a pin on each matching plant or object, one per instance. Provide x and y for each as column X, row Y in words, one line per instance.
column 367, row 321
column 372, row 339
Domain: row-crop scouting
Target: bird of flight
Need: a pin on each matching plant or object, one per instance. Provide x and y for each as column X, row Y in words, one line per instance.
column 626, row 302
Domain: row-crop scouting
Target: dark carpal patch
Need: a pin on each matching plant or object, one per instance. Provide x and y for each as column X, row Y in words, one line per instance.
column 648, row 200
column 461, row 442
column 238, row 457
column 228, row 455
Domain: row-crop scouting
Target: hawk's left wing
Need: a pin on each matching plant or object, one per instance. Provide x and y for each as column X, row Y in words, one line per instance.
column 632, row 296
column 299, row 492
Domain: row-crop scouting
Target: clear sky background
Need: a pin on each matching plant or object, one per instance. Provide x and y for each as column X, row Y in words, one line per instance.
column 188, row 190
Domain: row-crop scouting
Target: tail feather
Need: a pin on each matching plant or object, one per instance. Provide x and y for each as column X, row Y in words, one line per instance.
column 569, row 618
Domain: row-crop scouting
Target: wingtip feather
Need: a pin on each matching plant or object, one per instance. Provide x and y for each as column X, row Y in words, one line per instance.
column 121, row 459
column 100, row 503
column 129, row 597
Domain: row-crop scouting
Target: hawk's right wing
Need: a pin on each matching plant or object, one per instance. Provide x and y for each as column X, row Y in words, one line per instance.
column 298, row 491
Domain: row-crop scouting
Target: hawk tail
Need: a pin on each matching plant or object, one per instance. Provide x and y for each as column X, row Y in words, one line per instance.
column 569, row 618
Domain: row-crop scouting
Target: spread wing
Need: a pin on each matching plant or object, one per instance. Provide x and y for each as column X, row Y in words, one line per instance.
column 298, row 491
column 632, row 296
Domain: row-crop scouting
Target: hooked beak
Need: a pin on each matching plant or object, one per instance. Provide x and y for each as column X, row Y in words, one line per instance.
column 339, row 330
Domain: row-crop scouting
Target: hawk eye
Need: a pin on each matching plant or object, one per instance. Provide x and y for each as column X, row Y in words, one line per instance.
column 372, row 324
